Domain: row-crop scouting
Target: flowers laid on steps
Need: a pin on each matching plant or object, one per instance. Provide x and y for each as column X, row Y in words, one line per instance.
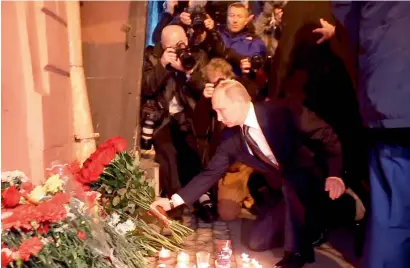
column 89, row 216
column 46, row 231
column 115, row 174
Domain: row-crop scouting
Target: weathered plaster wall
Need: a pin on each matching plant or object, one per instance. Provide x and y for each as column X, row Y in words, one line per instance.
column 36, row 100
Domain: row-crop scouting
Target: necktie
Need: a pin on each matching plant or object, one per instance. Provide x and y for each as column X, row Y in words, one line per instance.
column 255, row 148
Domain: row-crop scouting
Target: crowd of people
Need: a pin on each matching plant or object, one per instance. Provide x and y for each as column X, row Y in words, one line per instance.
column 268, row 111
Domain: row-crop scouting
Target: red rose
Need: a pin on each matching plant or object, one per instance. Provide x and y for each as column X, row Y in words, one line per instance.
column 119, row 143
column 85, row 175
column 82, row 236
column 11, row 197
column 106, row 156
column 95, row 169
column 87, row 162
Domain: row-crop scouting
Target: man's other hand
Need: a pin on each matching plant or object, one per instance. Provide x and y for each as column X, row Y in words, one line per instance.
column 335, row 186
column 209, row 23
column 185, row 18
column 245, row 65
column 163, row 203
column 170, row 6
column 168, row 57
column 208, row 90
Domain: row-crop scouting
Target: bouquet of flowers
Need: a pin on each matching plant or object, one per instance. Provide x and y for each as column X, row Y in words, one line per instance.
column 41, row 228
column 115, row 174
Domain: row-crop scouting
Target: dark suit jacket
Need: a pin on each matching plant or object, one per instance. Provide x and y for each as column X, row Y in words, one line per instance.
column 285, row 128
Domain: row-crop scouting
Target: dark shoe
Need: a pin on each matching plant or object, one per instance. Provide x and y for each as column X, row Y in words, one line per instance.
column 320, row 239
column 207, row 212
column 359, row 236
column 294, row 260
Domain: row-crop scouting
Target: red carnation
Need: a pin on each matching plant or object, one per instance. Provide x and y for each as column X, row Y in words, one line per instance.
column 11, row 197
column 86, row 188
column 82, row 236
column 6, row 257
column 44, row 228
column 31, row 246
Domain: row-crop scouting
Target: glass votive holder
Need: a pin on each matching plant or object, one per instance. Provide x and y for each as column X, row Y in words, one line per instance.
column 183, row 257
column 202, row 259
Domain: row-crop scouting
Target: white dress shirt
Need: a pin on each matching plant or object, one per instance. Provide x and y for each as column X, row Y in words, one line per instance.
column 256, row 134
column 174, row 106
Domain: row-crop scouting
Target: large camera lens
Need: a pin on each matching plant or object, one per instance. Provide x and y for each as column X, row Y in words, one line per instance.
column 198, row 16
column 146, row 132
column 198, row 25
column 187, row 59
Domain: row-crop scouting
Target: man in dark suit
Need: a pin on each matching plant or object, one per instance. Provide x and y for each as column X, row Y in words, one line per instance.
column 269, row 137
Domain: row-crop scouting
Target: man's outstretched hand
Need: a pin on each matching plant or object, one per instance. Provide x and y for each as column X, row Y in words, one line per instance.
column 327, row 31
column 163, row 203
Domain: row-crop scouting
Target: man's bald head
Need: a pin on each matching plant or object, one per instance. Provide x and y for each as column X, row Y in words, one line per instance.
column 172, row 35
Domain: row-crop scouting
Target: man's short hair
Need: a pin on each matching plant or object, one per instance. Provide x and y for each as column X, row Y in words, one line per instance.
column 238, row 5
column 234, row 90
column 218, row 66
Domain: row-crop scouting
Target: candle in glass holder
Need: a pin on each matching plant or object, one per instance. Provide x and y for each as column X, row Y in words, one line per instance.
column 183, row 258
column 164, row 255
column 202, row 259
column 245, row 260
column 255, row 263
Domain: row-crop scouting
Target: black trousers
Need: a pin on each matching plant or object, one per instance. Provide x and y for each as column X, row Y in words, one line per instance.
column 176, row 151
column 295, row 215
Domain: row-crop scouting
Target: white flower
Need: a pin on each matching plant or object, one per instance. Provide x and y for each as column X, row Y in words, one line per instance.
column 7, row 251
column 6, row 214
column 125, row 227
column 61, row 229
column 115, row 219
column 10, row 176
column 70, row 215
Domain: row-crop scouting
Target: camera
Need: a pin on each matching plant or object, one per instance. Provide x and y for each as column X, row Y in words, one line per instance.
column 185, row 56
column 198, row 16
column 151, row 115
column 257, row 62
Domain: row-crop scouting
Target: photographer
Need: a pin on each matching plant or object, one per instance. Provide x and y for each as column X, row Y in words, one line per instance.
column 173, row 81
column 244, row 50
column 268, row 25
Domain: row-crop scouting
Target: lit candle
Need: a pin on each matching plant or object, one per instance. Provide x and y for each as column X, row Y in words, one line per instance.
column 245, row 258
column 164, row 255
column 183, row 258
